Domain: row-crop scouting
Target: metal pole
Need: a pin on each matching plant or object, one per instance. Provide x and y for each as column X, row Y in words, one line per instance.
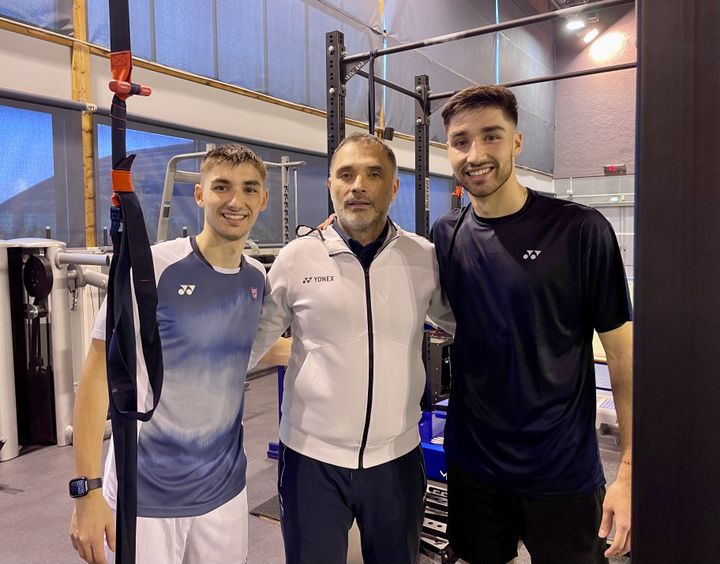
column 171, row 173
column 8, row 407
column 539, row 18
column 390, row 85
column 82, row 258
column 295, row 191
column 335, row 83
column 18, row 96
column 285, row 188
column 59, row 319
column 422, row 157
column 547, row 78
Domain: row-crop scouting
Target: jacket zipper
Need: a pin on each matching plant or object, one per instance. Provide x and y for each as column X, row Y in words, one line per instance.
column 371, row 347
column 371, row 370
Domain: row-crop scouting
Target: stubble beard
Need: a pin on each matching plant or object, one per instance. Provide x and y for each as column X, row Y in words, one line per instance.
column 502, row 173
column 359, row 223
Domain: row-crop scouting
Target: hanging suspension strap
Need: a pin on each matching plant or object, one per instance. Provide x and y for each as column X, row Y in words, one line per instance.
column 132, row 276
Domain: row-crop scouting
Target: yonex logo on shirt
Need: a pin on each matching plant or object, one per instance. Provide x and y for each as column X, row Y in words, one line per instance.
column 532, row 255
column 186, row 289
column 316, row 279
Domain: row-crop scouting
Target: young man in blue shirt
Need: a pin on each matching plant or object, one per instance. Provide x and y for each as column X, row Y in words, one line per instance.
column 192, row 501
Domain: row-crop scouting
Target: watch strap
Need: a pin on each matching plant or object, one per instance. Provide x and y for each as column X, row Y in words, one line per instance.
column 94, row 483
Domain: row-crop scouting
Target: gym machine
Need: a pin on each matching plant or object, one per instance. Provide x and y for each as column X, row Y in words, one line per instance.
column 39, row 283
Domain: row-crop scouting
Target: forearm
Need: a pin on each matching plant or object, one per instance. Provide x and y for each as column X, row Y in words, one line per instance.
column 618, row 349
column 622, row 395
column 90, row 413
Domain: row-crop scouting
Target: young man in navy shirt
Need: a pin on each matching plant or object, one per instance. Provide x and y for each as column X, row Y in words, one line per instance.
column 529, row 279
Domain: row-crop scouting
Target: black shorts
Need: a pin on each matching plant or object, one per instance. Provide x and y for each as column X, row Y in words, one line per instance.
column 486, row 523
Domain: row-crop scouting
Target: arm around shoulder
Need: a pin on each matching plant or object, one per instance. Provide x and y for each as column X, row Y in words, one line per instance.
column 275, row 317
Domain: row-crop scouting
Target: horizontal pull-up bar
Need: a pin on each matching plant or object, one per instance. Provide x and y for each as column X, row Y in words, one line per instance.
column 392, row 86
column 539, row 18
column 548, row 78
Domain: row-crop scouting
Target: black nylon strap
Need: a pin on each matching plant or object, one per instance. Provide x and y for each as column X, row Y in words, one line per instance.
column 119, row 26
column 132, row 260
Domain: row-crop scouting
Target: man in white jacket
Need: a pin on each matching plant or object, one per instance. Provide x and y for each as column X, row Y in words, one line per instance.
column 356, row 296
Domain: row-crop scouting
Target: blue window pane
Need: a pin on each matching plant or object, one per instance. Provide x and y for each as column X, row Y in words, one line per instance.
column 27, row 173
column 287, row 74
column 98, row 22
column 185, row 37
column 141, row 18
column 48, row 14
column 441, row 189
column 402, row 210
column 153, row 153
column 241, row 43
column 367, row 12
column 319, row 23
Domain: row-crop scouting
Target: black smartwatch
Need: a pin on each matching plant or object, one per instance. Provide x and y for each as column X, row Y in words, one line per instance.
column 80, row 487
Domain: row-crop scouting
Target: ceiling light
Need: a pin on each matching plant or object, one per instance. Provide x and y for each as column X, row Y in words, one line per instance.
column 573, row 24
column 590, row 35
column 608, row 46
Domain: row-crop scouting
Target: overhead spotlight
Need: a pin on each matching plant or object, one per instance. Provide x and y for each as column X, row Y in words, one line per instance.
column 575, row 23
column 590, row 35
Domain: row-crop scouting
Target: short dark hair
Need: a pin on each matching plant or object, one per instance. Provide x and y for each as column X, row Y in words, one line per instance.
column 367, row 139
column 483, row 96
column 234, row 154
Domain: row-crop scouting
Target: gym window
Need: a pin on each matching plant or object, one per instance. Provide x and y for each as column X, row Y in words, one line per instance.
column 41, row 181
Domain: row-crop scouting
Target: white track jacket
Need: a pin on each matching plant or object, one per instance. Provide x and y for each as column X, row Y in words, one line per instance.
column 353, row 387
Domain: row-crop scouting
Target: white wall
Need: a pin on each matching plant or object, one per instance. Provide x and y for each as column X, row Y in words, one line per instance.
column 34, row 66
column 595, row 115
column 539, row 181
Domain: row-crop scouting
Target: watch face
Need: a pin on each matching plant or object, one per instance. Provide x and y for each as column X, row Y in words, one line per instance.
column 78, row 488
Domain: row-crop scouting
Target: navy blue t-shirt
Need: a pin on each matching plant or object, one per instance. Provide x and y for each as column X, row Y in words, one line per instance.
column 527, row 291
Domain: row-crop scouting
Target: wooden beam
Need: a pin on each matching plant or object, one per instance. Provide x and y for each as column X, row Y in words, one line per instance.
column 37, row 33
column 81, row 92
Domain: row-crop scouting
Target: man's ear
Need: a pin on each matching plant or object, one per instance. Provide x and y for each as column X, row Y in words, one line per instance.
column 199, row 196
column 266, row 197
column 395, row 188
column 517, row 143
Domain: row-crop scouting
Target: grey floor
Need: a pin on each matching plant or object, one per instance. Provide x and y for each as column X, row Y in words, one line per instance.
column 35, row 508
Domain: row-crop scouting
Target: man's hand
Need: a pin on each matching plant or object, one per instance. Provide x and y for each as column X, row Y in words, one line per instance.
column 327, row 223
column 616, row 508
column 92, row 521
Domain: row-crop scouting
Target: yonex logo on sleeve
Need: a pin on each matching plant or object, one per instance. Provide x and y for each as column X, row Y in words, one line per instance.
column 186, row 289
column 532, row 255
